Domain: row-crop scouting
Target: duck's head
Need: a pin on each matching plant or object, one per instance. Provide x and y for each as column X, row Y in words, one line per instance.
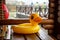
column 35, row 18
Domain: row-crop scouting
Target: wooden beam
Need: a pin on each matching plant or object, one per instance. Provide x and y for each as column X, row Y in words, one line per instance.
column 51, row 16
column 50, row 32
column 13, row 22
column 51, row 0
column 52, row 4
column 49, row 27
column 48, row 21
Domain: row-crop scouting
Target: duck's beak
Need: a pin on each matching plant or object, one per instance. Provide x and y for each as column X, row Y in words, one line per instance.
column 38, row 19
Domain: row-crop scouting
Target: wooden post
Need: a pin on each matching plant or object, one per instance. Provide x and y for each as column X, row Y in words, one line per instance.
column 51, row 16
column 57, row 20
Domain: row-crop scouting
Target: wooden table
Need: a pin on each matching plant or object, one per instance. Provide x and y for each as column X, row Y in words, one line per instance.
column 41, row 35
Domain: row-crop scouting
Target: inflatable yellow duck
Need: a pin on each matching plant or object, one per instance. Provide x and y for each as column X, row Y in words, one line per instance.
column 28, row 28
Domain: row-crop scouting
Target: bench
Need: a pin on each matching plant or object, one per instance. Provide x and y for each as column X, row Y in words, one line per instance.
column 41, row 35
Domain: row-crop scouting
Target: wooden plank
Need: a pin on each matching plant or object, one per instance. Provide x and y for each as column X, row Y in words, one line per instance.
column 17, row 37
column 0, row 1
column 51, row 10
column 32, row 37
column 51, row 0
column 50, row 32
column 47, row 21
column 43, row 35
column 51, row 16
column 0, row 6
column 0, row 9
column 52, row 5
column 48, row 27
column 1, row 14
column 16, row 21
column 13, row 36
column 1, row 38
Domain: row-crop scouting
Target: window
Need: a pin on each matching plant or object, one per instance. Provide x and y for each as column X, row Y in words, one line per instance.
column 21, row 9
column 13, row 19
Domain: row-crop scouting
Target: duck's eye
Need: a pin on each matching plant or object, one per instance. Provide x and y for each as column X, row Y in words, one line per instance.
column 32, row 17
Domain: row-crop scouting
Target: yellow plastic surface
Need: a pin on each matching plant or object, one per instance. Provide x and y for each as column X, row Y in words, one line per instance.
column 26, row 28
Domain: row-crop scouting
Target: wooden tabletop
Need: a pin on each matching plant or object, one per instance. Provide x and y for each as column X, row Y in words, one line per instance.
column 41, row 35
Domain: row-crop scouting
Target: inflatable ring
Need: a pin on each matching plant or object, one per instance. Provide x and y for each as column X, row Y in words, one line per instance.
column 28, row 28
column 25, row 29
